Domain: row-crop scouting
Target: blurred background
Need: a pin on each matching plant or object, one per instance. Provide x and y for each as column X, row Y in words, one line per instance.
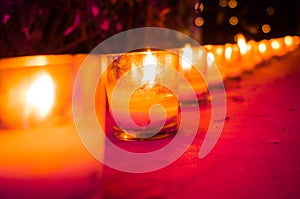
column 31, row 27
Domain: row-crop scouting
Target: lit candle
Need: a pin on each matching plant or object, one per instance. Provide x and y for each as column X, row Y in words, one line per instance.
column 265, row 50
column 255, row 55
column 147, row 94
column 41, row 153
column 277, row 46
column 212, row 74
column 247, row 60
column 232, row 61
column 191, row 58
column 217, row 54
column 289, row 43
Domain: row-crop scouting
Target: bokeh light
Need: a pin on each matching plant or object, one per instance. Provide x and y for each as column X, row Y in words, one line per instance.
column 233, row 20
column 266, row 28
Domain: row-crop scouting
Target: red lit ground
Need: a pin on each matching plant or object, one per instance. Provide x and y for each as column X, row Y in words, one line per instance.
column 257, row 155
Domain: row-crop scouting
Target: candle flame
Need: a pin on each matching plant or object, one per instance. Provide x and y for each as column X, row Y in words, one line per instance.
column 149, row 69
column 40, row 96
column 187, row 57
column 210, row 59
column 242, row 44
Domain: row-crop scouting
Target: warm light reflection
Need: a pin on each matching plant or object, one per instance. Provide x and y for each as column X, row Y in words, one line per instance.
column 40, row 96
column 150, row 66
column 219, row 51
column 37, row 61
column 187, row 56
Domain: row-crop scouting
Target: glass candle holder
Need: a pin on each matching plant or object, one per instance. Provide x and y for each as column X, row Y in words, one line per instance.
column 145, row 71
column 41, row 153
column 232, row 61
column 190, row 59
column 34, row 90
column 215, row 56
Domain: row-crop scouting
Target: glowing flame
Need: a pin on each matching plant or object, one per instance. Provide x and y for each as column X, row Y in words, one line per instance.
column 150, row 66
column 242, row 44
column 187, row 57
column 262, row 47
column 210, row 59
column 275, row 44
column 288, row 40
column 40, row 96
column 219, row 50
column 228, row 52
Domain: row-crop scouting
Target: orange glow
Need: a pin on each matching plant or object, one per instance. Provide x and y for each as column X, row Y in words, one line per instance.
column 228, row 52
column 223, row 3
column 150, row 66
column 262, row 47
column 37, row 61
column 275, row 44
column 232, row 3
column 187, row 57
column 219, row 50
column 233, row 20
column 201, row 7
column 288, row 40
column 40, row 96
column 199, row 21
column 266, row 28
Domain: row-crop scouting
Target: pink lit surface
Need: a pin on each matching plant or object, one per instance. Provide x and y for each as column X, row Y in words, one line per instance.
column 257, row 155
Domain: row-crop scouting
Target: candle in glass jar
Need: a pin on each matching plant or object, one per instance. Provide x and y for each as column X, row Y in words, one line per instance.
column 265, row 50
column 41, row 153
column 247, row 56
column 217, row 55
column 147, row 94
column 191, row 58
column 277, row 46
column 232, row 61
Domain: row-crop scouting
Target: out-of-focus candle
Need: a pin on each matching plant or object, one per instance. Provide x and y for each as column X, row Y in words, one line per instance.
column 191, row 58
column 265, row 50
column 254, row 53
column 34, row 89
column 278, row 47
column 246, row 60
column 217, row 54
column 41, row 153
column 212, row 75
column 232, row 60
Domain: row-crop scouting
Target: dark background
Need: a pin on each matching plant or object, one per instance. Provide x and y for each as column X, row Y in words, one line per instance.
column 30, row 27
